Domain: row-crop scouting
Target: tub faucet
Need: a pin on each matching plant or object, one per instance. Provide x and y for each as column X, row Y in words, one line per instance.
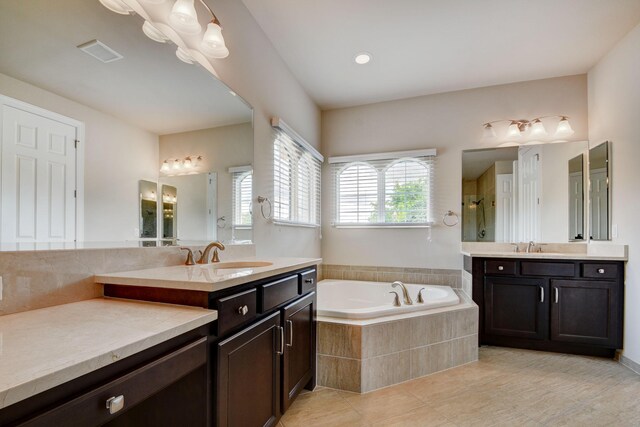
column 405, row 293
column 204, row 259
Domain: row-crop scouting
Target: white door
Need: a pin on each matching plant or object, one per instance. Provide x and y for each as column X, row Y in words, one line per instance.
column 504, row 207
column 530, row 191
column 576, row 203
column 38, row 175
column 599, row 205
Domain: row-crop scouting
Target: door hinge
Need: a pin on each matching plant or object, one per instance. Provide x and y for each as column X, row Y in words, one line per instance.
column 75, row 143
column 75, row 193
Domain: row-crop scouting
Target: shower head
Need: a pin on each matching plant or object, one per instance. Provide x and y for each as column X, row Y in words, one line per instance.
column 477, row 202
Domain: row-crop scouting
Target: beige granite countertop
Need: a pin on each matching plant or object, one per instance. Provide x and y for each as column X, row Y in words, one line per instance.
column 43, row 348
column 576, row 251
column 545, row 255
column 205, row 277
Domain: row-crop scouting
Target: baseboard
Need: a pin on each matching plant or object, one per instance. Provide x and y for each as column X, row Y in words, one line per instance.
column 634, row 366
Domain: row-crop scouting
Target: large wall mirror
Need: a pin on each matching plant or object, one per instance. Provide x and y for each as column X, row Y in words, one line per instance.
column 525, row 193
column 145, row 116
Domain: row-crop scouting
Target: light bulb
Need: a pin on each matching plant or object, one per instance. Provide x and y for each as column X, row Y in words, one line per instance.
column 564, row 128
column 165, row 166
column 488, row 131
column 153, row 33
column 212, row 38
column 188, row 164
column 184, row 56
column 183, row 17
column 537, row 128
column 117, row 6
column 514, row 130
column 153, row 195
column 177, row 164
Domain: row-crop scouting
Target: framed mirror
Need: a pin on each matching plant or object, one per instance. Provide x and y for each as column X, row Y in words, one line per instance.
column 519, row 194
column 130, row 115
column 577, row 211
column 600, row 192
column 148, row 194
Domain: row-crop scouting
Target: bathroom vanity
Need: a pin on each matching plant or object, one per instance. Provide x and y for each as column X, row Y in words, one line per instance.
column 261, row 347
column 569, row 303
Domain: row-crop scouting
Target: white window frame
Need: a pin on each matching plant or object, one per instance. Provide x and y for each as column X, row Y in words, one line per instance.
column 381, row 163
column 303, row 152
column 238, row 174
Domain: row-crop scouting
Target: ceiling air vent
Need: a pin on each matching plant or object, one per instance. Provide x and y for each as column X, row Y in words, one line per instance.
column 100, row 51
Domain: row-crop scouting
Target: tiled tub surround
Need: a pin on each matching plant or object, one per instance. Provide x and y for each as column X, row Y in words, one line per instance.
column 423, row 276
column 45, row 278
column 362, row 356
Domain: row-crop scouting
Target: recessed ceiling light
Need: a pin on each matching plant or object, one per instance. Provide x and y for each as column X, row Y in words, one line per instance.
column 362, row 58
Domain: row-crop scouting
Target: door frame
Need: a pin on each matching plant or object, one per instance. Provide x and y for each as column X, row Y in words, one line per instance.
column 80, row 152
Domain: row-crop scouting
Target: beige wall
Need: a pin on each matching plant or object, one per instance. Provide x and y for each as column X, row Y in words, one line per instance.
column 614, row 108
column 256, row 72
column 449, row 122
column 117, row 156
column 221, row 148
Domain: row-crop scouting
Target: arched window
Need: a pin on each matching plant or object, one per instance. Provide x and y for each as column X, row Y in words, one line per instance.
column 406, row 192
column 357, row 194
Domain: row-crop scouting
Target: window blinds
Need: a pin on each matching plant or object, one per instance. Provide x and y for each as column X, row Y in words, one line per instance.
column 241, row 196
column 387, row 189
column 296, row 175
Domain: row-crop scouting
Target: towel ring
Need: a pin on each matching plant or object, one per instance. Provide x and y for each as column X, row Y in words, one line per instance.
column 221, row 222
column 261, row 200
column 453, row 222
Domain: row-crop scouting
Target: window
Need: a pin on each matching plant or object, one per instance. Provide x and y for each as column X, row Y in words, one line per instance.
column 389, row 189
column 296, row 175
column 241, row 195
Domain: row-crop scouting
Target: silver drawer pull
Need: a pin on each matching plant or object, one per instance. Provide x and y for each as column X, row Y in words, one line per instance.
column 281, row 330
column 308, row 280
column 500, row 268
column 243, row 310
column 557, row 295
column 601, row 270
column 115, row 404
column 541, row 294
column 290, row 343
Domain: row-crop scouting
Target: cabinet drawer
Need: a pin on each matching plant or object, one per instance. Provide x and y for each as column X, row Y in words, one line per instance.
column 236, row 310
column 500, row 267
column 308, row 281
column 600, row 271
column 275, row 293
column 133, row 388
column 556, row 269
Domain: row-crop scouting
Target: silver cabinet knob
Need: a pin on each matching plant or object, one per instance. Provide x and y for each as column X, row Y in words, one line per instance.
column 601, row 270
column 500, row 267
column 115, row 404
column 243, row 310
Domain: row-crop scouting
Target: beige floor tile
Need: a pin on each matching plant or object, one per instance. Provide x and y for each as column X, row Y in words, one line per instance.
column 383, row 404
column 425, row 416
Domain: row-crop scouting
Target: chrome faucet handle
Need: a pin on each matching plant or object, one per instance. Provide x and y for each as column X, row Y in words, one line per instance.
column 216, row 257
column 189, row 260
column 396, row 299
column 516, row 248
column 420, row 299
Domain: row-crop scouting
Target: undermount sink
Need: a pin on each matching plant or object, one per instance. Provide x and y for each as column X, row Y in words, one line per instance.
column 240, row 264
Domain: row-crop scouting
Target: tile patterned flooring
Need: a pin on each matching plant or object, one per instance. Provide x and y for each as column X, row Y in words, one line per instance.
column 506, row 387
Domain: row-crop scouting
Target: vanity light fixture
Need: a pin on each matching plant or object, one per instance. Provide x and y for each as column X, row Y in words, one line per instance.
column 178, row 166
column 534, row 127
column 183, row 18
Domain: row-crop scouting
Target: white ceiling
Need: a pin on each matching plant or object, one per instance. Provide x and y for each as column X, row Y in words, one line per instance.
column 422, row 47
column 150, row 87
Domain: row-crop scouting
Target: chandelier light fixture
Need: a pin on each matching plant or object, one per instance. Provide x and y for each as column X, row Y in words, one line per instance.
column 533, row 128
column 177, row 21
column 181, row 166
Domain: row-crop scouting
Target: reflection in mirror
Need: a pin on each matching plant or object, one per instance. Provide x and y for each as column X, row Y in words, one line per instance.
column 132, row 114
column 197, row 205
column 599, row 194
column 576, row 198
column 169, row 212
column 148, row 209
column 512, row 194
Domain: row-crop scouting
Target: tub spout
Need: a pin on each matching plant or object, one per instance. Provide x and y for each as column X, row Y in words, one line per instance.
column 405, row 293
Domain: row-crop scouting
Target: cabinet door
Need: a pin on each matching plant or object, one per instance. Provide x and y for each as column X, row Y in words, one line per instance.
column 248, row 376
column 585, row 312
column 516, row 307
column 298, row 366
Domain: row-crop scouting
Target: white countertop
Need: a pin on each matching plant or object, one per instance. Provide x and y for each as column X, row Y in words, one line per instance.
column 575, row 251
column 544, row 255
column 205, row 277
column 43, row 348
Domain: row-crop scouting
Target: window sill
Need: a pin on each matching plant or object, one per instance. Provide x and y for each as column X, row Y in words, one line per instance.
column 295, row 224
column 381, row 226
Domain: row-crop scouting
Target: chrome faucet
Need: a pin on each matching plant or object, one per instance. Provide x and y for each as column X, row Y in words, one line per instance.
column 530, row 246
column 204, row 258
column 405, row 293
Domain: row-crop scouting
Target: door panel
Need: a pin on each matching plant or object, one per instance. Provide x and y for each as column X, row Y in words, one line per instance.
column 516, row 307
column 585, row 312
column 38, row 178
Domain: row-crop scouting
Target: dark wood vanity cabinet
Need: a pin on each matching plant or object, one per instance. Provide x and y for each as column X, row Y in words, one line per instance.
column 554, row 305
